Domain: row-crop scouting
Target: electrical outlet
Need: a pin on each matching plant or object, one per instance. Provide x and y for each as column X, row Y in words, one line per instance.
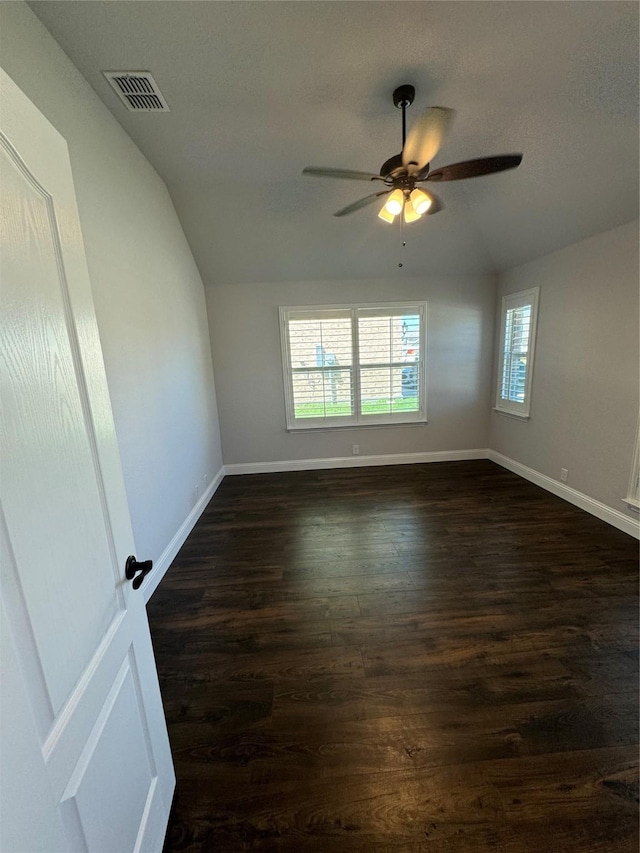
column 564, row 475
column 355, row 449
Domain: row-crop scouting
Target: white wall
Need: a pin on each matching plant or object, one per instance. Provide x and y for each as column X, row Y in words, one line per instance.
column 148, row 293
column 584, row 404
column 246, row 353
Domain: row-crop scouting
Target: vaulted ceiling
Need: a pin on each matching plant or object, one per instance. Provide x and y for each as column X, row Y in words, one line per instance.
column 258, row 90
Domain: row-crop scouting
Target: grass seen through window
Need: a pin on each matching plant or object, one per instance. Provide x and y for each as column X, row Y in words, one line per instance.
column 369, row 407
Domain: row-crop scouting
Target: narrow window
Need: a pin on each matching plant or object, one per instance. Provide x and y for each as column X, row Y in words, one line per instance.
column 517, row 342
column 633, row 492
column 353, row 365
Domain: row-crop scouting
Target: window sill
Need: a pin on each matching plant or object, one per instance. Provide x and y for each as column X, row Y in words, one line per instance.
column 511, row 414
column 357, row 426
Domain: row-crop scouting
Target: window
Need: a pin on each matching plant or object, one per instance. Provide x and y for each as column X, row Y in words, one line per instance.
column 633, row 493
column 353, row 366
column 517, row 341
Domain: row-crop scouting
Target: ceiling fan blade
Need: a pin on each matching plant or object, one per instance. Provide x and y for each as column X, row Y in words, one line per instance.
column 363, row 202
column 425, row 138
column 475, row 168
column 348, row 174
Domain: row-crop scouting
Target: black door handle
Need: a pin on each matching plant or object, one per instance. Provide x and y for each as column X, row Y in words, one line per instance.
column 132, row 567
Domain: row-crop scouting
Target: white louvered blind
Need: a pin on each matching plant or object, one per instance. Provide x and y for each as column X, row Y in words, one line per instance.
column 516, row 349
column 353, row 366
column 321, row 363
column 633, row 492
column 519, row 313
column 389, row 362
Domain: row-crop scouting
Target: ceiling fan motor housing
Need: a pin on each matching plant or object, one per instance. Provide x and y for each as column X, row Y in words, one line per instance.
column 394, row 169
column 393, row 164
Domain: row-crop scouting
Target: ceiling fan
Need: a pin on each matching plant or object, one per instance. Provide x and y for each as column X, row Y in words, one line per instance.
column 401, row 174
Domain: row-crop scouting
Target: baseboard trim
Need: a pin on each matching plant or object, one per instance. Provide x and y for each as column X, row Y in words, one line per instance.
column 166, row 558
column 602, row 511
column 354, row 461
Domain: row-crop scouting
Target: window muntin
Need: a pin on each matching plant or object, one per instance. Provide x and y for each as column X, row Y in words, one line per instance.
column 517, row 342
column 353, row 366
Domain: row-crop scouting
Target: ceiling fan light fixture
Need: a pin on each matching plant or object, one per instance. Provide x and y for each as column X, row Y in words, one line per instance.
column 395, row 202
column 420, row 201
column 410, row 213
column 385, row 215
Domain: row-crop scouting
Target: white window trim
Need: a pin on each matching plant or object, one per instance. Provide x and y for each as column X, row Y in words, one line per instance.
column 632, row 499
column 509, row 301
column 355, row 421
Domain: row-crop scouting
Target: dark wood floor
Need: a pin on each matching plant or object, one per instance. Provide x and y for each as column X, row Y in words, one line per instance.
column 416, row 658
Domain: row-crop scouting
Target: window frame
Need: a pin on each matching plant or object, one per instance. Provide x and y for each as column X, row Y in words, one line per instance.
column 356, row 420
column 632, row 499
column 510, row 301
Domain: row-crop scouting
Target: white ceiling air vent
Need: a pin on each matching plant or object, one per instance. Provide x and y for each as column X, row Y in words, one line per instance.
column 138, row 91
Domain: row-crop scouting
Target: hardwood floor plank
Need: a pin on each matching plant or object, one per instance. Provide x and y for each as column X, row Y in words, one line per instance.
column 347, row 568
column 573, row 785
column 432, row 739
column 248, row 638
column 342, row 698
column 271, row 665
column 434, row 658
column 244, row 607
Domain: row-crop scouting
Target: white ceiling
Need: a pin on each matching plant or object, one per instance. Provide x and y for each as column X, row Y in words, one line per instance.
column 258, row 90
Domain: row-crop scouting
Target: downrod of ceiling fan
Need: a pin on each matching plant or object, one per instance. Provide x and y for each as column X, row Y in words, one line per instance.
column 402, row 98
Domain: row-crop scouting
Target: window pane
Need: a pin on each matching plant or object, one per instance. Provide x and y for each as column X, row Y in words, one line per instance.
column 385, row 390
column 374, row 340
column 516, row 347
column 316, row 346
column 406, row 340
column 389, row 350
column 318, row 343
column 514, row 379
column 322, row 393
column 394, row 338
column 375, row 390
column 406, row 379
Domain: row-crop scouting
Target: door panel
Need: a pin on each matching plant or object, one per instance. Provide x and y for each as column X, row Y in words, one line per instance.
column 45, row 440
column 38, row 830
column 75, row 632
column 107, row 755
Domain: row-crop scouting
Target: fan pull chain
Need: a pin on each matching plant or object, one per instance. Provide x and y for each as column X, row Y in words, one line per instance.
column 402, row 242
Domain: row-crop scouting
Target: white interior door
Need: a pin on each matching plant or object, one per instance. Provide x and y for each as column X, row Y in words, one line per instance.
column 85, row 758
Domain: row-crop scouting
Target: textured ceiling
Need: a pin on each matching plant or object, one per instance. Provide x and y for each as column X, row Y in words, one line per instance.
column 258, row 90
